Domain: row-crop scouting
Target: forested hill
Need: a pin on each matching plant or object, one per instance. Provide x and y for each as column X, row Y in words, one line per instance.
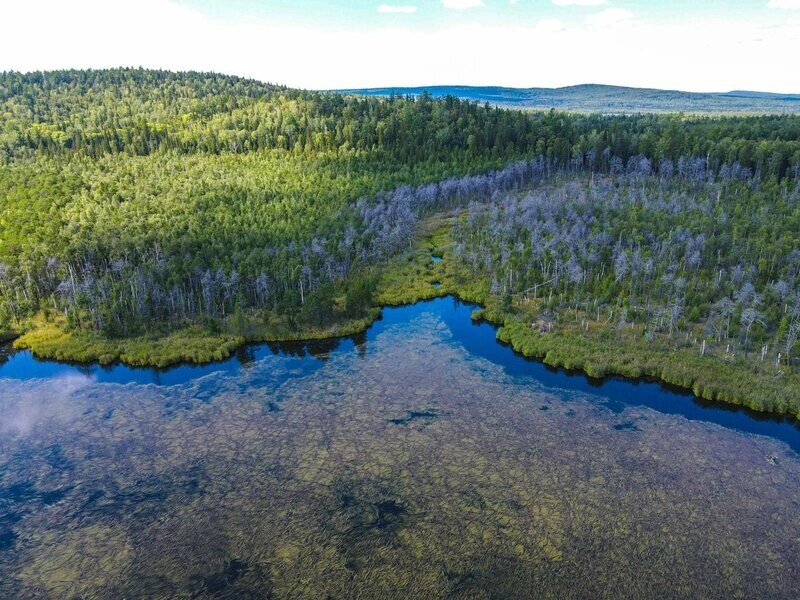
column 609, row 99
column 140, row 112
column 131, row 197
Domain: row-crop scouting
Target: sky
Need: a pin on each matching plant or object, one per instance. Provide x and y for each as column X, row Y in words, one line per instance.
column 701, row 45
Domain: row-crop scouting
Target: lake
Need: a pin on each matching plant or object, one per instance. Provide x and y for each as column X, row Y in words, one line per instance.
column 420, row 460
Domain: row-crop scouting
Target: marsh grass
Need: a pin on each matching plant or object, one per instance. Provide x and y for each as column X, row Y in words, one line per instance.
column 191, row 344
column 186, row 344
column 416, row 276
column 600, row 353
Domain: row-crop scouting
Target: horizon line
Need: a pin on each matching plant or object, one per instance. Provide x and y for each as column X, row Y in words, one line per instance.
column 401, row 87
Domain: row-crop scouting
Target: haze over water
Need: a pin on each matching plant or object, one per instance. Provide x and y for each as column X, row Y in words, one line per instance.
column 422, row 460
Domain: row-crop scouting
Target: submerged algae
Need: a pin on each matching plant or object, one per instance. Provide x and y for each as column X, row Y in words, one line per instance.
column 200, row 490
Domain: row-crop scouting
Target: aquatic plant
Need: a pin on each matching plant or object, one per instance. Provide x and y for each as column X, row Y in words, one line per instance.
column 201, row 490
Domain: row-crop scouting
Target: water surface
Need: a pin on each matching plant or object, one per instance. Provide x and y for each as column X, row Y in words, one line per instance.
column 422, row 459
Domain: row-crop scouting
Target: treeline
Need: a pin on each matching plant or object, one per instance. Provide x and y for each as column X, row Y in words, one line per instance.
column 143, row 112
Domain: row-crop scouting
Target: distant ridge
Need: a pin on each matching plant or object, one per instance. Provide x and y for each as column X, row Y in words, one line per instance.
column 608, row 99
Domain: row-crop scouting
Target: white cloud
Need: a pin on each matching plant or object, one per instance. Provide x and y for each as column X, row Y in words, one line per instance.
column 462, row 4
column 579, row 2
column 636, row 52
column 785, row 4
column 391, row 9
column 550, row 25
column 609, row 17
column 28, row 404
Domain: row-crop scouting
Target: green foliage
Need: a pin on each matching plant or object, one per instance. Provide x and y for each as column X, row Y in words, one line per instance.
column 143, row 112
column 131, row 196
column 506, row 303
column 359, row 296
column 318, row 308
column 194, row 345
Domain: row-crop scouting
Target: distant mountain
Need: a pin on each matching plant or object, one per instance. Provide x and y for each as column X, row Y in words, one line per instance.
column 608, row 99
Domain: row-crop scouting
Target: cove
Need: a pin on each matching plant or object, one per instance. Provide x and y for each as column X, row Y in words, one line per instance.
column 478, row 338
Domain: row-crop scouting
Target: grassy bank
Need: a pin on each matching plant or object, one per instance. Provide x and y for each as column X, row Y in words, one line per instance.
column 189, row 344
column 601, row 352
column 576, row 343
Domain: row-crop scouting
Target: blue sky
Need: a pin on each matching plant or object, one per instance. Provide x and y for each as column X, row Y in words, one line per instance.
column 365, row 14
column 710, row 45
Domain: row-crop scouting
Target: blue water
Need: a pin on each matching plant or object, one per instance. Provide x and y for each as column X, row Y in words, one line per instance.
column 478, row 338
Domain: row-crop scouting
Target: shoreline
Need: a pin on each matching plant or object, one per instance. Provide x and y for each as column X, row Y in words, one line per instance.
column 417, row 277
column 478, row 315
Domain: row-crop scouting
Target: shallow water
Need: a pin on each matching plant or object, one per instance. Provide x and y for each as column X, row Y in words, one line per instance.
column 420, row 460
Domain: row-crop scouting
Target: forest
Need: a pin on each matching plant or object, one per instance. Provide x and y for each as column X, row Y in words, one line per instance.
column 134, row 201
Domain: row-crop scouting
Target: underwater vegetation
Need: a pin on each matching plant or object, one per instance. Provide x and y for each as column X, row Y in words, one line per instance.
column 413, row 469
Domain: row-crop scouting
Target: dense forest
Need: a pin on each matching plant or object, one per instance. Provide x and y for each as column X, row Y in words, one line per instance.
column 140, row 112
column 132, row 197
column 714, row 258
